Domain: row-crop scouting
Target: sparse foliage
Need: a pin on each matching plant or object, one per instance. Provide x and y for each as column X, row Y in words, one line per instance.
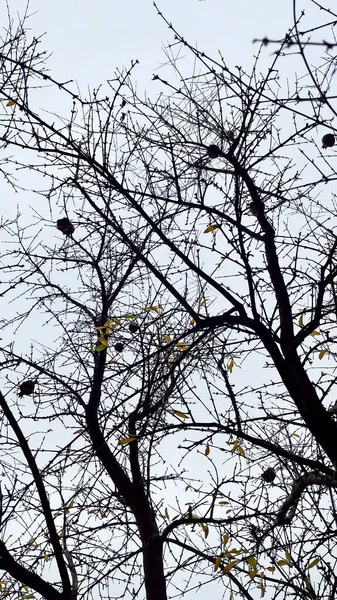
column 171, row 421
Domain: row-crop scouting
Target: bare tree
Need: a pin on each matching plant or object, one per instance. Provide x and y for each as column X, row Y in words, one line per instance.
column 170, row 422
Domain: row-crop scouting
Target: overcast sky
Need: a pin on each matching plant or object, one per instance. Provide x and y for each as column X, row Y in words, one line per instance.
column 89, row 39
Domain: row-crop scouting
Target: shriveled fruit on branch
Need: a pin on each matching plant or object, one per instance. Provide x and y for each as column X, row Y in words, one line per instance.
column 328, row 140
column 119, row 347
column 213, row 151
column 26, row 388
column 268, row 475
column 65, row 226
column 256, row 209
column 133, row 327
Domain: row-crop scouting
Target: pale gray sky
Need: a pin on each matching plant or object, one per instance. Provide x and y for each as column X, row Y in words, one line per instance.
column 90, row 39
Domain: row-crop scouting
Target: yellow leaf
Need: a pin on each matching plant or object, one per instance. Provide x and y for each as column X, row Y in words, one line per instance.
column 92, row 511
column 296, row 435
column 307, row 583
column 181, row 346
column 315, row 332
column 101, row 347
column 10, row 103
column 225, row 538
column 180, row 414
column 57, row 514
column 282, row 563
column 46, row 557
column 241, row 450
column 313, row 563
column 70, row 505
column 300, row 321
column 263, row 590
column 166, row 338
column 251, row 561
column 228, row 511
column 271, row 569
column 31, row 541
column 230, row 365
column 223, row 502
column 229, row 566
column 252, row 573
column 211, row 228
column 288, row 556
column 153, row 308
column 205, row 529
column 129, row 316
column 202, row 301
column 61, row 534
column 321, row 354
column 236, row 446
column 27, row 596
column 125, row 441
column 217, row 563
column 208, row 449
column 78, row 431
column 166, row 514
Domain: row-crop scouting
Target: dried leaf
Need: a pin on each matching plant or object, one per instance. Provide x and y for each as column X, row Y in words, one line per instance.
column 321, row 354
column 211, row 228
column 10, row 103
column 315, row 332
column 251, row 561
column 181, row 346
column 300, row 321
column 230, row 365
column 282, row 563
column 125, row 441
column 153, row 308
column 229, row 566
column 225, row 538
column 313, row 563
column 217, row 563
column 208, row 449
column 180, row 414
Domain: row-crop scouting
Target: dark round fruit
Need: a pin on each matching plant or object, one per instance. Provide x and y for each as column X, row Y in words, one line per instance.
column 65, row 226
column 133, row 327
column 328, row 140
column 119, row 347
column 213, row 151
column 268, row 475
column 26, row 388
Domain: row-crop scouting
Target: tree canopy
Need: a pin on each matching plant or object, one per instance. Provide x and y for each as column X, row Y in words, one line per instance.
column 168, row 345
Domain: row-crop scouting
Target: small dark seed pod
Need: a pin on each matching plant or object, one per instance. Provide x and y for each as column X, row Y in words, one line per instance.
column 268, row 475
column 26, row 388
column 119, row 347
column 213, row 151
column 133, row 327
column 65, row 226
column 328, row 140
